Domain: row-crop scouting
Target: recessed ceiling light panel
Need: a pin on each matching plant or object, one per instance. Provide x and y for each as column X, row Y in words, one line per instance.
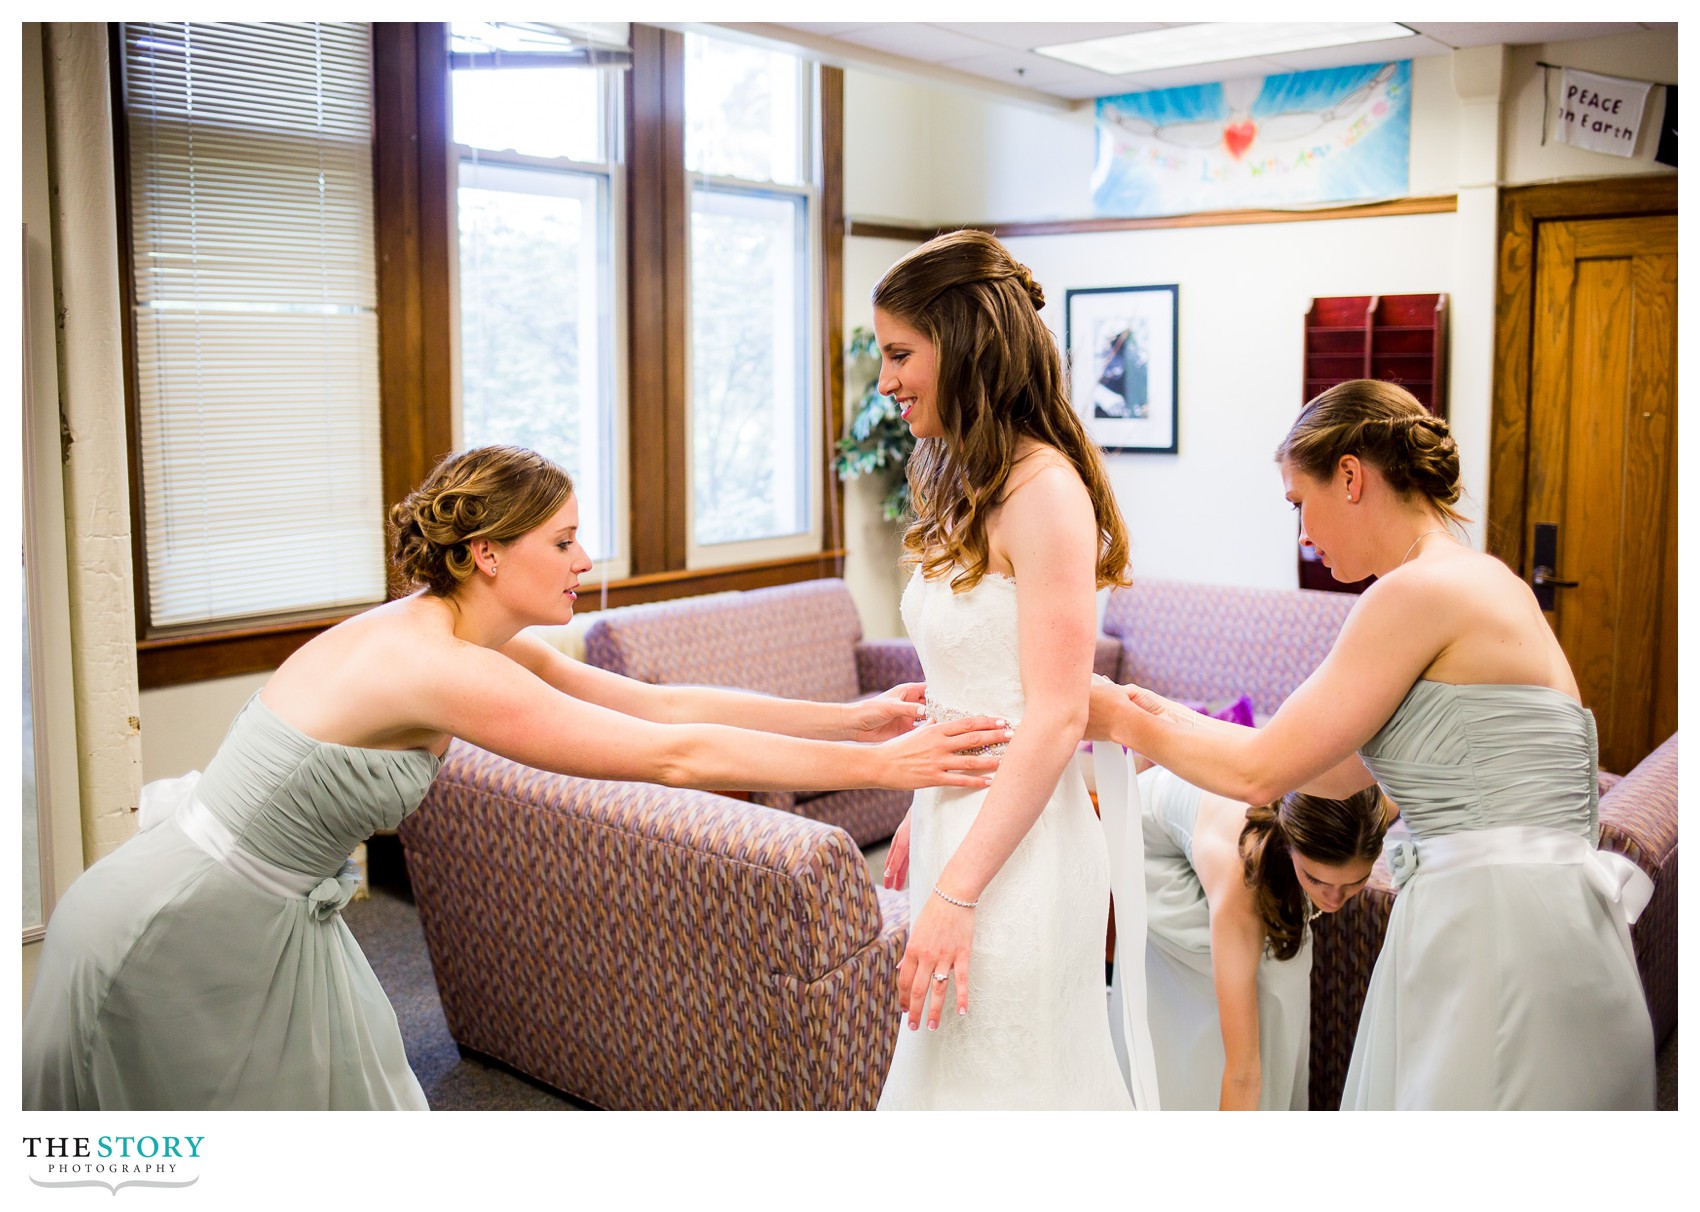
column 1215, row 41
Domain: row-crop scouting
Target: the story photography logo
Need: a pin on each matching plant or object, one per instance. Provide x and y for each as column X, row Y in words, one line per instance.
column 113, row 1161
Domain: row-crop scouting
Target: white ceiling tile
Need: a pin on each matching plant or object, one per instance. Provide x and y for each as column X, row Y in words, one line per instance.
column 1390, row 51
column 1018, row 67
column 828, row 28
column 915, row 40
column 1516, row 33
column 1025, row 35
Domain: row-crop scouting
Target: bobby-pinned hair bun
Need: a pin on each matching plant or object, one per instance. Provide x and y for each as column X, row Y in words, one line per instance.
column 1386, row 426
column 490, row 492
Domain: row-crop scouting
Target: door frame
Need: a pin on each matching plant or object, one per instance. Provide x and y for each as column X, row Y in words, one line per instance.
column 1521, row 212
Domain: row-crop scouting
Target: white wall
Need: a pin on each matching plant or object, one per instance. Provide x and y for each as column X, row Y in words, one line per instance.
column 183, row 725
column 1213, row 512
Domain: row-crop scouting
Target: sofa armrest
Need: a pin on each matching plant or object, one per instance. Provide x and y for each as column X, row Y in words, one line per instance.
column 644, row 946
column 1638, row 818
column 1107, row 660
column 1638, row 811
column 675, row 836
column 882, row 664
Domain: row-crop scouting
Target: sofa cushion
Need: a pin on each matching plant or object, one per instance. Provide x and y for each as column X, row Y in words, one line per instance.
column 797, row 641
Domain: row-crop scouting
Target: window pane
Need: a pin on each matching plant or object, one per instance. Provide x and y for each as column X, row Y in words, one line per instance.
column 535, row 335
column 743, row 110
column 538, row 111
column 749, row 388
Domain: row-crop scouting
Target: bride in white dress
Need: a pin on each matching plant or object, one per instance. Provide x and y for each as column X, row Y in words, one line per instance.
column 1015, row 529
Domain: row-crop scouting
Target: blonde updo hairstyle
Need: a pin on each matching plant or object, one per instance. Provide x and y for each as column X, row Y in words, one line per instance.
column 1383, row 425
column 1000, row 378
column 491, row 492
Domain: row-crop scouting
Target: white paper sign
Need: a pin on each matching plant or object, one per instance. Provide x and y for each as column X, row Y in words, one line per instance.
column 1600, row 113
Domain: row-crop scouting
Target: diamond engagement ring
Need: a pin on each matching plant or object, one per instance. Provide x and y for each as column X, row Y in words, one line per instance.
column 941, row 976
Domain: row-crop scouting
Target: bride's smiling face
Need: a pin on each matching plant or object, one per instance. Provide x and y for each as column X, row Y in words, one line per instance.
column 909, row 373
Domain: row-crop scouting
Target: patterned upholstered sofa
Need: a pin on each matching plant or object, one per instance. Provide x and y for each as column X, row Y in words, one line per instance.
column 1206, row 642
column 644, row 947
column 800, row 641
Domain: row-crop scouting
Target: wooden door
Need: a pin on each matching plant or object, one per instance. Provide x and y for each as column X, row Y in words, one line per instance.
column 1602, row 466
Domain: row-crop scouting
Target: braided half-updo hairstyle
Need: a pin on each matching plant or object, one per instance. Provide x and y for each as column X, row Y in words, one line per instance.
column 1385, row 426
column 1000, row 378
column 1322, row 830
column 490, row 492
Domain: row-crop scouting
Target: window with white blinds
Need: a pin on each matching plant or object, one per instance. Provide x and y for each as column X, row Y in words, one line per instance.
column 256, row 330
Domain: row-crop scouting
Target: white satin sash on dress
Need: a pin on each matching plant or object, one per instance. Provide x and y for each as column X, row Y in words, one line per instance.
column 175, row 800
column 1120, row 812
column 1624, row 887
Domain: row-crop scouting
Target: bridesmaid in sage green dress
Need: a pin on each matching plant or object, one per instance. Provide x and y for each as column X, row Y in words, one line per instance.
column 204, row 965
column 1230, row 891
column 1507, row 978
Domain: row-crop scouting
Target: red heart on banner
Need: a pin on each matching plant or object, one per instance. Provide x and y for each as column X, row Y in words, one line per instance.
column 1238, row 136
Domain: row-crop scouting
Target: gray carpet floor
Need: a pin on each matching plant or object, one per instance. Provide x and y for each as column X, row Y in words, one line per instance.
column 387, row 927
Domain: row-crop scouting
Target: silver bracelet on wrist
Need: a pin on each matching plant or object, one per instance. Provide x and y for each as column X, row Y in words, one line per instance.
column 944, row 896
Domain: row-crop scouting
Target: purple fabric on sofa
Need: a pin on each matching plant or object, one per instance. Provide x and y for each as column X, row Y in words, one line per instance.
column 1237, row 712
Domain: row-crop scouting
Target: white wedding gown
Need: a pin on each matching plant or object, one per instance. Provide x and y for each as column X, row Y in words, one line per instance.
column 1037, row 1032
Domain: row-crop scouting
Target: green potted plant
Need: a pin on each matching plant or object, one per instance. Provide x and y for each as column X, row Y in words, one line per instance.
column 877, row 439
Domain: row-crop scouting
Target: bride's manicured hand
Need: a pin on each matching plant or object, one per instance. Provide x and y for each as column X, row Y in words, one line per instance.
column 890, row 714
column 897, row 857
column 939, row 942
column 932, row 755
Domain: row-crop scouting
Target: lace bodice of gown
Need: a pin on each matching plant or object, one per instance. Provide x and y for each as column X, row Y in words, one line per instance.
column 968, row 644
column 1457, row 758
column 302, row 803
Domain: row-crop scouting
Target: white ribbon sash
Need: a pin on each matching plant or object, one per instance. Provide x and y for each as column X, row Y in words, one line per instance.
column 175, row 800
column 1119, row 810
column 1617, row 879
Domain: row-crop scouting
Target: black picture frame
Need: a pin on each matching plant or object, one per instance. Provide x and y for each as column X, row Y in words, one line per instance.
column 1123, row 346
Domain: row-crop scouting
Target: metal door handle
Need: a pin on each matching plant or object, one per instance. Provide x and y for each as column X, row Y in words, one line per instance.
column 1543, row 576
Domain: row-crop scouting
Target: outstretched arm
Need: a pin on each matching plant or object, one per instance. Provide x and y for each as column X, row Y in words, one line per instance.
column 488, row 699
column 874, row 719
column 1393, row 634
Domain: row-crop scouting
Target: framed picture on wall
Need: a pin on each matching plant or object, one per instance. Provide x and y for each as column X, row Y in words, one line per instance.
column 1122, row 354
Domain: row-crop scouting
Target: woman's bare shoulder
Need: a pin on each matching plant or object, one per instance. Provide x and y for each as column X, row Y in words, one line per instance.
column 377, row 657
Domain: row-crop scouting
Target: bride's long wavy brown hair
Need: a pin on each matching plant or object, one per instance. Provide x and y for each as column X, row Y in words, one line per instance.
column 1000, row 378
column 1323, row 830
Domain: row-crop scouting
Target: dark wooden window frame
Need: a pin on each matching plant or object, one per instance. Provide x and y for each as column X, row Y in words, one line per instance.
column 413, row 160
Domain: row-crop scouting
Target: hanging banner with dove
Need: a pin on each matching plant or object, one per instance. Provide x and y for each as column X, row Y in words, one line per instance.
column 1301, row 139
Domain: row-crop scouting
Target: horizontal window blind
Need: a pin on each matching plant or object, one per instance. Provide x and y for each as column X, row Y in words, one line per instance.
column 255, row 296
